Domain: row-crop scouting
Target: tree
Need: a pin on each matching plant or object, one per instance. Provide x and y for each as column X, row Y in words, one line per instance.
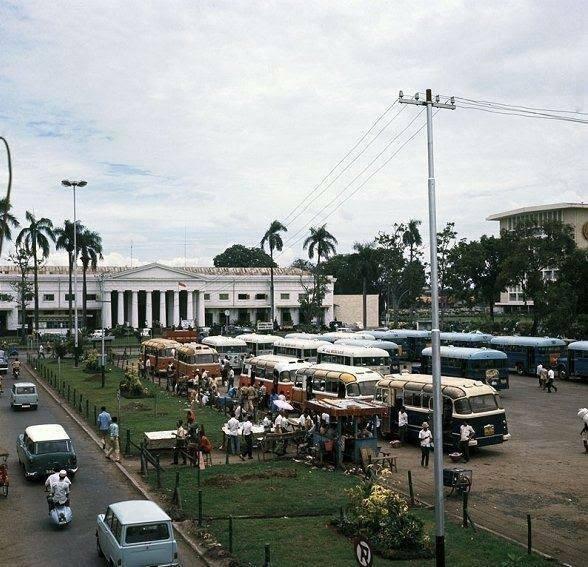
column 273, row 239
column 11, row 221
column 446, row 241
column 22, row 287
column 65, row 241
column 302, row 264
column 365, row 260
column 239, row 256
column 391, row 263
column 341, row 267
column 411, row 238
column 35, row 238
column 90, row 247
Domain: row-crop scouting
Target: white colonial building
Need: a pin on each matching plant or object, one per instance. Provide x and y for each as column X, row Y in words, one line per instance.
column 164, row 295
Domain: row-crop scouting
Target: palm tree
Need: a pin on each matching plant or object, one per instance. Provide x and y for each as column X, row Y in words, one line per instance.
column 323, row 243
column 65, row 241
column 274, row 241
column 11, row 221
column 90, row 247
column 35, row 237
column 411, row 237
column 365, row 259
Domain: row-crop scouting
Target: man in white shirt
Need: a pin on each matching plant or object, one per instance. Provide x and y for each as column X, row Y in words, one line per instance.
column 402, row 424
column 425, row 437
column 550, row 381
column 233, row 437
column 60, row 490
column 540, row 374
column 278, row 423
column 51, row 481
column 248, row 436
column 466, row 432
column 326, row 418
column 302, row 420
column 267, row 421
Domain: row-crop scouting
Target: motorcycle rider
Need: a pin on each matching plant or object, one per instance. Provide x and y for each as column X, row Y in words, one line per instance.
column 60, row 490
column 51, row 481
column 16, row 367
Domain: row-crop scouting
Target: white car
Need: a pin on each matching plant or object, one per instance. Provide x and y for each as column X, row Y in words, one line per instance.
column 136, row 533
column 23, row 395
column 97, row 334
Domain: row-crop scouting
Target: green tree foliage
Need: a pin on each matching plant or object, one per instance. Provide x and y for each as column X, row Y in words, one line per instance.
column 90, row 247
column 23, row 288
column 274, row 241
column 239, row 256
column 365, row 262
column 11, row 221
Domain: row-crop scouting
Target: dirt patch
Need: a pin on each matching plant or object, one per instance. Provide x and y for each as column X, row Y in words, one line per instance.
column 137, row 406
column 227, row 480
column 93, row 378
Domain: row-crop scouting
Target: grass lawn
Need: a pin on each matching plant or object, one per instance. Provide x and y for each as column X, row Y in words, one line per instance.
column 286, row 488
column 137, row 415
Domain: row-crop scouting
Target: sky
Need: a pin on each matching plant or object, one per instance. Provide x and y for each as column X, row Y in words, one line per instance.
column 196, row 124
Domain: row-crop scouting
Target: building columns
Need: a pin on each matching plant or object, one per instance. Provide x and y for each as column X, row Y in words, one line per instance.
column 176, row 317
column 148, row 309
column 135, row 309
column 162, row 310
column 106, row 310
column 190, row 308
column 201, row 322
column 120, row 310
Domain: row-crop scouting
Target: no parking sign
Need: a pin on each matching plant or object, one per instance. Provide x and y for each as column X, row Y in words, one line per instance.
column 363, row 553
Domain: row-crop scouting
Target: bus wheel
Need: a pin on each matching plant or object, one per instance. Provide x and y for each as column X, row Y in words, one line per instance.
column 563, row 375
column 520, row 369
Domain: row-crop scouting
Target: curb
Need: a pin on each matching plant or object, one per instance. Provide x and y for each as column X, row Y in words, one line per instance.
column 130, row 477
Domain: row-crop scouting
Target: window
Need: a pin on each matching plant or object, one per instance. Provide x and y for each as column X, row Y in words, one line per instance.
column 90, row 297
column 49, row 297
column 207, row 297
column 261, row 296
column 70, row 296
column 45, row 447
column 243, row 296
column 25, row 390
column 116, row 529
column 486, row 402
column 223, row 296
column 462, row 406
column 147, row 532
column 284, row 296
column 367, row 388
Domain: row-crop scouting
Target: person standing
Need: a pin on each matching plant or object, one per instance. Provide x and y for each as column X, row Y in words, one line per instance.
column 180, row 446
column 231, row 381
column 41, row 351
column 540, row 374
column 402, row 424
column 550, row 380
column 584, row 434
column 248, row 437
column 113, row 445
column 103, row 421
column 466, row 432
column 233, row 436
column 425, row 437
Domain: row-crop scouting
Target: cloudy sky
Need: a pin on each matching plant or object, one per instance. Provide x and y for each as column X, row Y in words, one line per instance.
column 207, row 120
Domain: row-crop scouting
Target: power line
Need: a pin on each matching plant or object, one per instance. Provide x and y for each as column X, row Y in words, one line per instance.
column 536, row 115
column 520, row 107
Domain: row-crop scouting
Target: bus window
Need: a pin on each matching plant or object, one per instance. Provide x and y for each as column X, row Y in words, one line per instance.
column 462, row 406
column 425, row 400
column 318, row 385
column 298, row 380
column 285, row 376
column 499, row 402
column 480, row 404
column 352, row 389
column 368, row 388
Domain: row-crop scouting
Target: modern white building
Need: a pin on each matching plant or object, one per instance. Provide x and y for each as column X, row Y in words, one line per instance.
column 572, row 214
column 159, row 294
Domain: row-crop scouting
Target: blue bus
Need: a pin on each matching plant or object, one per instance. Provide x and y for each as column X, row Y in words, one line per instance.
column 391, row 348
column 525, row 353
column 483, row 364
column 472, row 340
column 575, row 363
column 412, row 341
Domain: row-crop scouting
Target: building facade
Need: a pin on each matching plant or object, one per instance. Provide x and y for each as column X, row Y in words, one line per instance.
column 163, row 295
column 349, row 309
column 573, row 214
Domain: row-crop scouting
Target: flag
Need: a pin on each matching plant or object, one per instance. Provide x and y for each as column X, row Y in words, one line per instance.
column 181, row 284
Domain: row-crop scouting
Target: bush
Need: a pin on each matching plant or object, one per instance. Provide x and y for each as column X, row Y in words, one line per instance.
column 91, row 361
column 381, row 516
column 131, row 385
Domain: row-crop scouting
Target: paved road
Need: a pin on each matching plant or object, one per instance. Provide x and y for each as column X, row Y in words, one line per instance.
column 26, row 536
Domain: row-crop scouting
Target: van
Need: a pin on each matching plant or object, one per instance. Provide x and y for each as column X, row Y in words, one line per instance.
column 23, row 395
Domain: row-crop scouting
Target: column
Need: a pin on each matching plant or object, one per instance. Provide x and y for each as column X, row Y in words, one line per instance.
column 201, row 318
column 162, row 313
column 135, row 309
column 176, row 319
column 106, row 310
column 190, row 308
column 120, row 315
column 148, row 309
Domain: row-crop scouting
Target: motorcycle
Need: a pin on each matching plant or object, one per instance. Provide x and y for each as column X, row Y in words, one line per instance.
column 61, row 514
column 16, row 373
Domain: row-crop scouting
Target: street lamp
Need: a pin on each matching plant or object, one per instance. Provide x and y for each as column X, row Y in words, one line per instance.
column 74, row 184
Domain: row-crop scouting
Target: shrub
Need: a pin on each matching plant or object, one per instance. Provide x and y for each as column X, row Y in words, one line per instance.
column 91, row 361
column 381, row 516
column 131, row 385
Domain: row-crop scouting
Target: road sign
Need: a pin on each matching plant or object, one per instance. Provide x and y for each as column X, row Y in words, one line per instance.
column 363, row 553
column 262, row 326
column 227, row 312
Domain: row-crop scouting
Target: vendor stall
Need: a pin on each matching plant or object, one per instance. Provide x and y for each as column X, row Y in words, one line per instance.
column 348, row 419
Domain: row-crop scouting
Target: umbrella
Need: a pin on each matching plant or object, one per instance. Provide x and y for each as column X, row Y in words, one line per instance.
column 283, row 405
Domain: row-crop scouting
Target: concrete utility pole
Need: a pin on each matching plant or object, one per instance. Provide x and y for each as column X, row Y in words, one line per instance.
column 435, row 331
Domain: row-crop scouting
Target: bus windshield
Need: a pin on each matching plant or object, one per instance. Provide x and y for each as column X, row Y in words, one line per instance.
column 485, row 402
column 368, row 388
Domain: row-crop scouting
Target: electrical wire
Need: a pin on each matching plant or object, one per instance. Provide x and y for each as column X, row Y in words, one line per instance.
column 520, row 107
column 539, row 116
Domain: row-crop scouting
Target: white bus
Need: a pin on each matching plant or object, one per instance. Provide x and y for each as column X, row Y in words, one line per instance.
column 231, row 348
column 301, row 349
column 259, row 344
column 375, row 358
column 336, row 335
column 307, row 336
column 275, row 372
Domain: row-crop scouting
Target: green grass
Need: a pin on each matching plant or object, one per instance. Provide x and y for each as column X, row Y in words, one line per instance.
column 260, row 488
column 136, row 415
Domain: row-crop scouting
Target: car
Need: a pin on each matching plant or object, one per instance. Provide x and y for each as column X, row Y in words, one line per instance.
column 3, row 363
column 134, row 533
column 98, row 334
column 42, row 448
column 23, row 395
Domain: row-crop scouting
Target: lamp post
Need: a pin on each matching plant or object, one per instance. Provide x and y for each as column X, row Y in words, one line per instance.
column 74, row 185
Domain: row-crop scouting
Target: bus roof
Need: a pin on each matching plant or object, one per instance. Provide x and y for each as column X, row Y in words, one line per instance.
column 332, row 337
column 450, row 386
column 161, row 343
column 195, row 348
column 300, row 343
column 308, row 336
column 578, row 345
column 368, row 344
column 267, row 359
column 404, row 333
column 527, row 341
column 292, row 364
column 468, row 353
column 259, row 339
column 350, row 350
column 345, row 373
column 220, row 340
column 467, row 337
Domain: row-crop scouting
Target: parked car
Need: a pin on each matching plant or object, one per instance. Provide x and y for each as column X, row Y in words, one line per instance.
column 135, row 533
column 42, row 448
column 3, row 363
column 23, row 395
